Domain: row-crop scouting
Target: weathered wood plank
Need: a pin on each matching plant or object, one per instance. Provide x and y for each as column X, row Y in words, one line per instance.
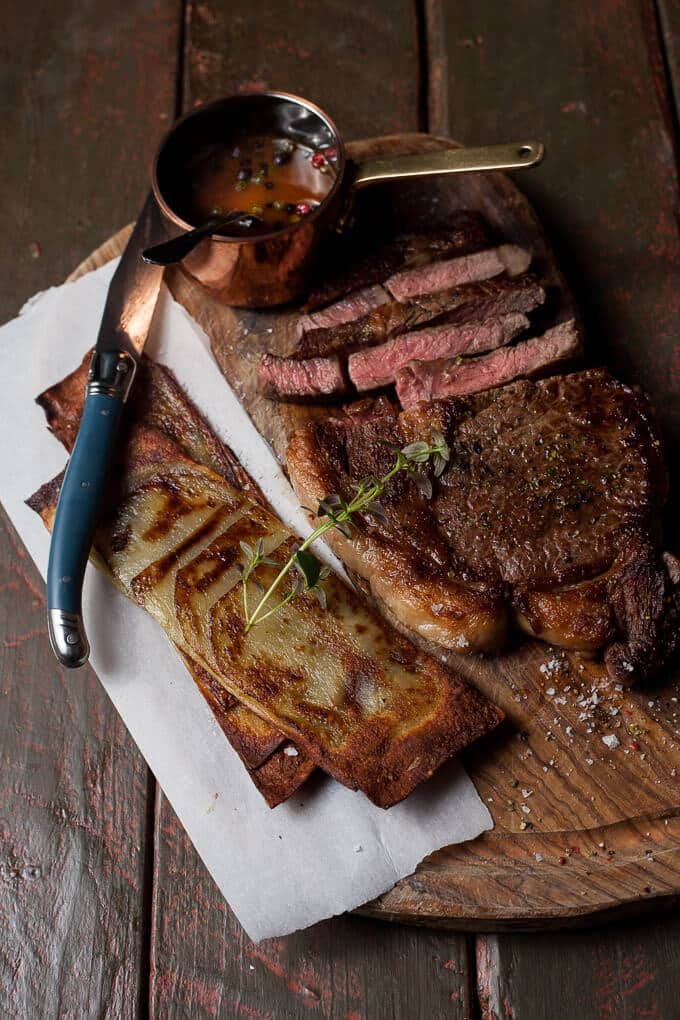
column 348, row 968
column 627, row 972
column 88, row 90
column 669, row 22
column 73, row 789
column 360, row 63
column 589, row 81
column 362, row 67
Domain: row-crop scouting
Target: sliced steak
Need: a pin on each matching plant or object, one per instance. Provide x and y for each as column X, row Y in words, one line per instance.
column 378, row 366
column 482, row 265
column 300, row 379
column 428, row 380
column 473, row 301
column 466, row 231
column 347, row 309
column 549, row 512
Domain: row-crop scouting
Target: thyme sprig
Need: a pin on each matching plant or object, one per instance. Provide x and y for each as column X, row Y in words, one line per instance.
column 336, row 512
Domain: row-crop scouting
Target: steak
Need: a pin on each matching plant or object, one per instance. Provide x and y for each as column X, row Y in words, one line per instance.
column 378, row 366
column 347, row 309
column 300, row 379
column 455, row 377
column 480, row 300
column 482, row 265
column 548, row 516
column 466, row 231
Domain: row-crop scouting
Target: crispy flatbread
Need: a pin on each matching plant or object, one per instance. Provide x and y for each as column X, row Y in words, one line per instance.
column 161, row 408
column 357, row 699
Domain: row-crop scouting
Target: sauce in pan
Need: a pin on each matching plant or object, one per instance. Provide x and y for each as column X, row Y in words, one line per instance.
column 276, row 180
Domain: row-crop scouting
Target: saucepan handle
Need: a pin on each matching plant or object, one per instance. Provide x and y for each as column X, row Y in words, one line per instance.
column 510, row 156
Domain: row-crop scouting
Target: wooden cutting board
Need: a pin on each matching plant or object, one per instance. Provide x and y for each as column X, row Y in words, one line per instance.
column 582, row 830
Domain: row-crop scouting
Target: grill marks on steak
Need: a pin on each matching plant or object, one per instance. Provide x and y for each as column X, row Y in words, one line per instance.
column 466, row 231
column 549, row 511
column 429, row 380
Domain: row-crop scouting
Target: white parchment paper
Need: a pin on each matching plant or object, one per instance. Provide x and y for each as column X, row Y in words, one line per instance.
column 328, row 849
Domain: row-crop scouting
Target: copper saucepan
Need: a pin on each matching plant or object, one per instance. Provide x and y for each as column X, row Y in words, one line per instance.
column 271, row 269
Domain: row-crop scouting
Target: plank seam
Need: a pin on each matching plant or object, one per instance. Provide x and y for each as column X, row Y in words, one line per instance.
column 147, row 895
column 669, row 100
column 423, row 83
column 184, row 14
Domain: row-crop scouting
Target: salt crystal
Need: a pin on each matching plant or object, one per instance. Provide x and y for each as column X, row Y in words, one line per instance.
column 551, row 691
column 527, row 793
column 526, row 809
column 569, row 731
column 292, row 752
column 589, row 761
column 611, row 740
column 538, row 857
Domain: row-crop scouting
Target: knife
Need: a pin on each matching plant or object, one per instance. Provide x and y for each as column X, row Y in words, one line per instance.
column 129, row 308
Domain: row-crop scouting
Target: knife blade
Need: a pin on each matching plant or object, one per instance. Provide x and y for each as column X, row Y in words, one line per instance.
column 128, row 312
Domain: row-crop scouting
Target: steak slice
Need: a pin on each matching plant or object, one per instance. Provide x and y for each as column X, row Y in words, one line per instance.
column 347, row 309
column 480, row 300
column 455, row 377
column 549, row 513
column 378, row 366
column 466, row 231
column 482, row 265
column 302, row 379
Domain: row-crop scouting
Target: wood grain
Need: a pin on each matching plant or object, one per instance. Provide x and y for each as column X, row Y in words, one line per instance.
column 363, row 67
column 348, row 968
column 626, row 971
column 559, row 707
column 589, row 80
column 360, row 65
column 74, row 791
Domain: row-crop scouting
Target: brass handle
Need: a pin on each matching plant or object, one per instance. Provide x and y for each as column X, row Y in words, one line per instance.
column 513, row 156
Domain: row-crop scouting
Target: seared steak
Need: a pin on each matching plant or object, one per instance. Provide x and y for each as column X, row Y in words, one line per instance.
column 300, row 379
column 466, row 231
column 548, row 514
column 482, row 265
column 428, row 380
column 378, row 366
column 347, row 309
column 473, row 301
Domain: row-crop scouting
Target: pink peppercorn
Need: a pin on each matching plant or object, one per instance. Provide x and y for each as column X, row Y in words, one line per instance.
column 318, row 160
column 302, row 208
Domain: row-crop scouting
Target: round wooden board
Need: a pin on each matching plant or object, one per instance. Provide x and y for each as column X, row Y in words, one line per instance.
column 582, row 833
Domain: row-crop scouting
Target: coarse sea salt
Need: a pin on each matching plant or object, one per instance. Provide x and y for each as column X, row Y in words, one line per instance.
column 611, row 740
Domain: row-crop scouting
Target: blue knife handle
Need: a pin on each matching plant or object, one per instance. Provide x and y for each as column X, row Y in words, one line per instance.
column 77, row 512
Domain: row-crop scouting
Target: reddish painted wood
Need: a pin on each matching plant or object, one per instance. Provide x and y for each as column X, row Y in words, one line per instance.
column 85, row 87
column 627, row 972
column 362, row 67
column 589, row 79
column 348, row 968
column 669, row 24
column 359, row 63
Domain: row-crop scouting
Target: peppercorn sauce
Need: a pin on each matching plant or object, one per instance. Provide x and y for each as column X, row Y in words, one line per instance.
column 277, row 180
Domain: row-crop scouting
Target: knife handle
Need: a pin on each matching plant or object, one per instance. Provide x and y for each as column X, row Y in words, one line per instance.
column 79, row 502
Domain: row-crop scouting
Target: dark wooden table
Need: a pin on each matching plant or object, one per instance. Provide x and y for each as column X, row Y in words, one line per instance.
column 105, row 908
